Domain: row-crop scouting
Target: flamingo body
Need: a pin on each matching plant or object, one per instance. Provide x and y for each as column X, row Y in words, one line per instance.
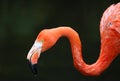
column 110, row 43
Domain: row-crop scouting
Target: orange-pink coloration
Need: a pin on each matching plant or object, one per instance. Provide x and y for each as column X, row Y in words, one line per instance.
column 110, row 42
column 34, row 58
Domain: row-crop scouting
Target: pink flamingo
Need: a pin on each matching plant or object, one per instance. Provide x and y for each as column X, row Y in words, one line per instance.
column 110, row 43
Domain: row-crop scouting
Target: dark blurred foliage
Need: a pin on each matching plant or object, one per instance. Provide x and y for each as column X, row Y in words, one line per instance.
column 22, row 20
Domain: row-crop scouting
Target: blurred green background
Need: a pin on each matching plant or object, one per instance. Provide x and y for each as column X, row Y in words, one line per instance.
column 22, row 20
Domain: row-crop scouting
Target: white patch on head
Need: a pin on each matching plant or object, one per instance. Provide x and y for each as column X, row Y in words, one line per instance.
column 38, row 44
column 37, row 47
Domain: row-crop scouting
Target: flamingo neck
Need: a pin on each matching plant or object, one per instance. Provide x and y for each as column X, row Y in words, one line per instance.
column 105, row 58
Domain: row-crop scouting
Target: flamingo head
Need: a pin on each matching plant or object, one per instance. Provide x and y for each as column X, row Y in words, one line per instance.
column 110, row 27
column 45, row 40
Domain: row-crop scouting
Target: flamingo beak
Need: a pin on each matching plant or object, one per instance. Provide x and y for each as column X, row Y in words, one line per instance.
column 33, row 56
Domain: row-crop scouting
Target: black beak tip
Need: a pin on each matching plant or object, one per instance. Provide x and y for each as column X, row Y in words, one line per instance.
column 33, row 68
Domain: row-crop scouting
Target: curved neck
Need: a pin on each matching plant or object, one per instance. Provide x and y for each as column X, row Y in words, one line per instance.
column 105, row 58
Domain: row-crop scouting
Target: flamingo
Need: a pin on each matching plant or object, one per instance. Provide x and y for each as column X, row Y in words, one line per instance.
column 110, row 43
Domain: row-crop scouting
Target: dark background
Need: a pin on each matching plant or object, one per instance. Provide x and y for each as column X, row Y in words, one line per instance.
column 22, row 20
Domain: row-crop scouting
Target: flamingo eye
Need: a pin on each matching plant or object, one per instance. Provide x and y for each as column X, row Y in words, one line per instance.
column 42, row 40
column 109, row 24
